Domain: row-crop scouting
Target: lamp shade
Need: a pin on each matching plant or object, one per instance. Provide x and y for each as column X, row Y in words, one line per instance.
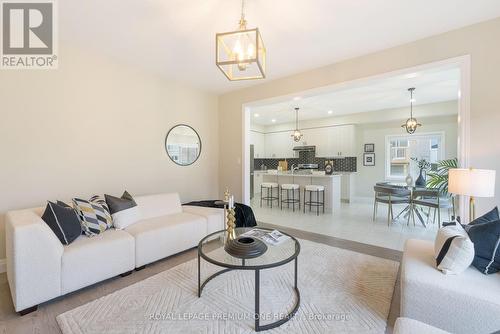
column 472, row 182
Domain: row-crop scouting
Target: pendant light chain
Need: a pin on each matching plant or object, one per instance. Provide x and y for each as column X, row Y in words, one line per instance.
column 297, row 118
column 243, row 22
column 411, row 102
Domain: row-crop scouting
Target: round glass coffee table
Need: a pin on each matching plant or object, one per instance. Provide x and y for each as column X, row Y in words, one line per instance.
column 211, row 249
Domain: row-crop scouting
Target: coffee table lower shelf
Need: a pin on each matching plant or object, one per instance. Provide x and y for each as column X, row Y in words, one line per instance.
column 258, row 326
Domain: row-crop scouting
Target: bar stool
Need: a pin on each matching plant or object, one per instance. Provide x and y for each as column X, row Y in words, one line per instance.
column 317, row 203
column 269, row 186
column 290, row 187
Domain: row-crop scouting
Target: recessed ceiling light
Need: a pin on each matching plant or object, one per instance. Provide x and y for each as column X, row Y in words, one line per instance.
column 330, row 112
column 256, row 115
column 273, row 120
column 411, row 75
column 296, row 98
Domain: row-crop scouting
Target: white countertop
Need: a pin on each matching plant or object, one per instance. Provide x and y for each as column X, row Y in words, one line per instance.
column 276, row 173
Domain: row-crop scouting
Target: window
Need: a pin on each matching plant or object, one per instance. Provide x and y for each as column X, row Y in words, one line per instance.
column 400, row 150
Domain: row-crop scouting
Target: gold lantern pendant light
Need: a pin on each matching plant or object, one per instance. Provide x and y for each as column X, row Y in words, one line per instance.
column 297, row 135
column 411, row 124
column 241, row 54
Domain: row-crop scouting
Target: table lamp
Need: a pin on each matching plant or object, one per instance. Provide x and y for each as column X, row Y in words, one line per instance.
column 473, row 183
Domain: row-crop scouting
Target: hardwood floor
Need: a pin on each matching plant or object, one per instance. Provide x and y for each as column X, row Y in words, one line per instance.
column 44, row 320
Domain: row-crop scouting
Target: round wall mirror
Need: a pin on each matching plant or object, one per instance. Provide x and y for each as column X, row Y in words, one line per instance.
column 183, row 145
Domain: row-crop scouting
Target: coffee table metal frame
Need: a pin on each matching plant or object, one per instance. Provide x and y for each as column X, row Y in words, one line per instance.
column 257, row 269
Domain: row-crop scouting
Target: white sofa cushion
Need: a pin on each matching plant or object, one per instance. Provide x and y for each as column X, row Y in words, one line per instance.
column 90, row 260
column 152, row 206
column 410, row 326
column 214, row 216
column 159, row 237
column 467, row 303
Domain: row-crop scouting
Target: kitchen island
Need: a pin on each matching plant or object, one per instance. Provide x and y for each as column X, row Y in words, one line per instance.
column 332, row 184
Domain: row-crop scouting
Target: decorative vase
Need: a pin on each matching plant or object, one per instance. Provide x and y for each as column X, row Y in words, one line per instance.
column 409, row 180
column 245, row 247
column 421, row 180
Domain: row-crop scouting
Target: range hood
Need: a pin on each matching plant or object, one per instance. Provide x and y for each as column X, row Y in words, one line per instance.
column 309, row 148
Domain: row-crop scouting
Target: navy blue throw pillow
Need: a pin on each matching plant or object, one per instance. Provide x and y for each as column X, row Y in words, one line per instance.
column 63, row 221
column 487, row 217
column 486, row 239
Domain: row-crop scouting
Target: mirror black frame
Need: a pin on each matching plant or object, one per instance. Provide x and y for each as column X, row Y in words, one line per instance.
column 199, row 139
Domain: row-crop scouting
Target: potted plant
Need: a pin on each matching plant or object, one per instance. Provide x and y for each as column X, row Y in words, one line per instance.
column 423, row 165
column 439, row 179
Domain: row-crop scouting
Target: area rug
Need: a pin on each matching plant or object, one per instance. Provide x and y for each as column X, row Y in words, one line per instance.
column 341, row 292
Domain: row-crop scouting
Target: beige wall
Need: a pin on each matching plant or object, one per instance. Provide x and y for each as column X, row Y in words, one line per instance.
column 96, row 126
column 480, row 41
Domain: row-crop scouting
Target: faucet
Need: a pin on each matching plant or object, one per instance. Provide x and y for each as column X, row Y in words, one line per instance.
column 293, row 168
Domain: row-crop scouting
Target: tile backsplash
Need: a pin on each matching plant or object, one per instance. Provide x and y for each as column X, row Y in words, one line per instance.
column 347, row 164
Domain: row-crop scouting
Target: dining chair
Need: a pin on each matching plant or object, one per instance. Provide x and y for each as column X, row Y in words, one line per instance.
column 431, row 199
column 389, row 195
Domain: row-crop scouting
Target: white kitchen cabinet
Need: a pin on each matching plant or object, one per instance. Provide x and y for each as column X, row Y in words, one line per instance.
column 257, row 140
column 330, row 142
column 348, row 140
column 279, row 145
column 317, row 137
column 335, row 141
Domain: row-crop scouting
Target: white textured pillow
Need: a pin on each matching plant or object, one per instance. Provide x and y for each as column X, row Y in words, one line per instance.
column 453, row 249
column 123, row 209
column 125, row 218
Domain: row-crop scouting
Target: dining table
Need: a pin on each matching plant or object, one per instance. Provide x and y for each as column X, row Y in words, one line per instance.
column 407, row 211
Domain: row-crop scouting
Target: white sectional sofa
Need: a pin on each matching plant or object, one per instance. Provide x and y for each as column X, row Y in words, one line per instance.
column 467, row 303
column 410, row 326
column 40, row 268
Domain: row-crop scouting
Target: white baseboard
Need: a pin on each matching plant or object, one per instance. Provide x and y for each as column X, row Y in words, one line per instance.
column 3, row 265
column 362, row 200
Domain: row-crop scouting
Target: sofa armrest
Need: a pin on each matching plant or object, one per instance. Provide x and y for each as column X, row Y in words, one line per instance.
column 215, row 216
column 34, row 256
column 467, row 303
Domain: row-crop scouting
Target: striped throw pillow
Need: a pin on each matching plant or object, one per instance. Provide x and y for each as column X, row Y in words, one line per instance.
column 93, row 214
column 453, row 249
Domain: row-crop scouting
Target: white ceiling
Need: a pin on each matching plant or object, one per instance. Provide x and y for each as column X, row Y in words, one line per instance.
column 432, row 86
column 176, row 38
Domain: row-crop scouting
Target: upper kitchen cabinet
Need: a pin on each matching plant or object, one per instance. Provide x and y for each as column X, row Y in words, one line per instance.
column 331, row 142
column 258, row 142
column 347, row 140
column 317, row 137
column 279, row 145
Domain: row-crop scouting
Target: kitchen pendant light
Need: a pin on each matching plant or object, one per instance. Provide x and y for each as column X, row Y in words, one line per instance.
column 297, row 135
column 241, row 54
column 411, row 124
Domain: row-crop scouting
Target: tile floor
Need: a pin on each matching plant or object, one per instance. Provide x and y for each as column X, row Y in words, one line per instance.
column 351, row 222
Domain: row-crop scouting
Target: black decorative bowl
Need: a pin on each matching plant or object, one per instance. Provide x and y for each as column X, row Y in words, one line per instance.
column 245, row 247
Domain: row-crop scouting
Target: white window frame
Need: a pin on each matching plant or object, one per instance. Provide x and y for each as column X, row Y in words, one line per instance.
column 388, row 148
